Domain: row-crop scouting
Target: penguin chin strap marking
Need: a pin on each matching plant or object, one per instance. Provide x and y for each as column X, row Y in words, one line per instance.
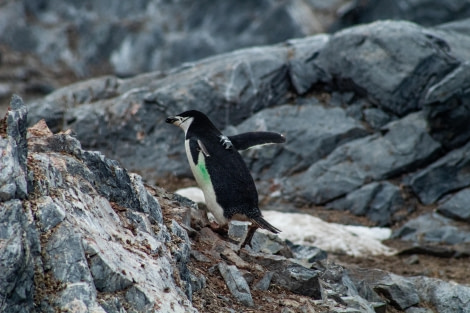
column 226, row 142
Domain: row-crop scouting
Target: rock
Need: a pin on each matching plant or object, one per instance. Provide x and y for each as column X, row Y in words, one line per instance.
column 312, row 132
column 379, row 201
column 236, row 284
column 456, row 206
column 266, row 242
column 447, row 174
column 405, row 145
column 287, row 274
column 150, row 38
column 445, row 297
column 308, row 253
column 263, row 283
column 88, row 228
column 447, row 108
column 13, row 152
column 399, row 291
column 422, row 12
column 238, row 230
column 433, row 228
column 345, row 61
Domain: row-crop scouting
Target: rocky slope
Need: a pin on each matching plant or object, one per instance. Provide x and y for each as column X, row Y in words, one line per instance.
column 376, row 118
column 81, row 234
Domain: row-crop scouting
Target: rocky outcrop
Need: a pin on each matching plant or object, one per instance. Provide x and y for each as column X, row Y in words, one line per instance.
column 80, row 233
column 86, row 235
column 371, row 114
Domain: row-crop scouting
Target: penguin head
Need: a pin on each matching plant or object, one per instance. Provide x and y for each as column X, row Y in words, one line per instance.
column 194, row 119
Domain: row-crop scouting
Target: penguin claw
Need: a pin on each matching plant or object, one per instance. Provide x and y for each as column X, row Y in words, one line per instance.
column 226, row 142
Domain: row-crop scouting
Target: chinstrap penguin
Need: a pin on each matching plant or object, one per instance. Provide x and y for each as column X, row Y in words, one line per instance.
column 219, row 169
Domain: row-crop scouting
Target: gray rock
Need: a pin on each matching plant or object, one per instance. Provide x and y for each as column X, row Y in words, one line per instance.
column 150, row 38
column 265, row 242
column 50, row 213
column 449, row 173
column 447, row 107
column 310, row 254
column 236, row 283
column 405, row 145
column 399, row 291
column 312, row 132
column 445, row 297
column 18, row 255
column 13, row 152
column 287, row 274
column 400, row 82
column 418, row 310
column 265, row 282
column 238, row 230
column 456, row 206
column 77, row 235
column 433, row 228
column 423, row 12
column 378, row 201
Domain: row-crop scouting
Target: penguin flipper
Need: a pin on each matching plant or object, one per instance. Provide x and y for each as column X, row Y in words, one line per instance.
column 248, row 140
column 262, row 223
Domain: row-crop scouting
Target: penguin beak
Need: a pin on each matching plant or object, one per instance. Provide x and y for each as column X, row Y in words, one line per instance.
column 171, row 119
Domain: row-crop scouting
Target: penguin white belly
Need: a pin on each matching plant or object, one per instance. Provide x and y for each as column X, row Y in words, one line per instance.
column 203, row 179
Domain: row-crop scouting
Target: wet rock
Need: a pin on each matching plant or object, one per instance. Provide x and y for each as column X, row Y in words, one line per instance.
column 236, row 283
column 456, row 206
column 447, row 174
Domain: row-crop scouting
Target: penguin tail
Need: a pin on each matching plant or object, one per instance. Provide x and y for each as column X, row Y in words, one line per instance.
column 262, row 223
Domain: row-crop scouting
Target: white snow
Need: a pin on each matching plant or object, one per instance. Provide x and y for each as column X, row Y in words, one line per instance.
column 337, row 238
column 309, row 230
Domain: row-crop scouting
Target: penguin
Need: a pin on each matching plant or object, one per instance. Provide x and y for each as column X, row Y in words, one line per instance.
column 219, row 169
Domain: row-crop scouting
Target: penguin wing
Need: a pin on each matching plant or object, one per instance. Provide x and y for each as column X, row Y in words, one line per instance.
column 248, row 140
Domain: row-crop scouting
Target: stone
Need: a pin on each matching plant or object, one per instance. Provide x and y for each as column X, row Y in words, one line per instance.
column 399, row 291
column 266, row 242
column 236, row 284
column 264, row 282
column 404, row 145
column 447, row 108
column 312, row 132
column 444, row 296
column 13, row 152
column 310, row 254
column 456, row 206
column 346, row 61
column 433, row 228
column 447, row 174
column 378, row 201
column 50, row 213
column 287, row 273
column 238, row 230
